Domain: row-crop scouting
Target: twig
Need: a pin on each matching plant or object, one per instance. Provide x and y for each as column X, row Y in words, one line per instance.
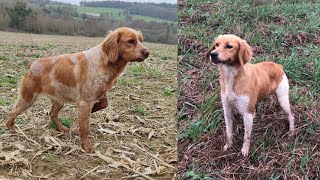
column 86, row 174
column 26, row 135
column 137, row 172
column 162, row 161
column 223, row 156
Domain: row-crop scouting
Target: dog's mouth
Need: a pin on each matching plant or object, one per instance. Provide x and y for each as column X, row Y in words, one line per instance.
column 217, row 62
column 140, row 59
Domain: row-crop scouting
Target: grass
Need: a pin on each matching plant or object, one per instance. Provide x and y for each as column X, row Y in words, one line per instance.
column 118, row 14
column 167, row 92
column 64, row 121
column 284, row 32
column 140, row 110
column 48, row 158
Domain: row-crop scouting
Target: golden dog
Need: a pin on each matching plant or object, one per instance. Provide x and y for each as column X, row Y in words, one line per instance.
column 244, row 84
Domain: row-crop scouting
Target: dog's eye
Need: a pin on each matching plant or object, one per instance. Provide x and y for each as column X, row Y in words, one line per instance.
column 217, row 44
column 229, row 46
column 131, row 41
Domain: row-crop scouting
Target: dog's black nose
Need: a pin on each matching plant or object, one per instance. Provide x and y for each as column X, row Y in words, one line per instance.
column 145, row 53
column 214, row 55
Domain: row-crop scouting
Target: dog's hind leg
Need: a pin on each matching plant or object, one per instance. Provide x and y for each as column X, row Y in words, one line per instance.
column 27, row 96
column 228, row 119
column 282, row 93
column 56, row 107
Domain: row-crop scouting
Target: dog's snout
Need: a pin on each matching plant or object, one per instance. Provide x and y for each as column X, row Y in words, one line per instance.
column 145, row 53
column 214, row 55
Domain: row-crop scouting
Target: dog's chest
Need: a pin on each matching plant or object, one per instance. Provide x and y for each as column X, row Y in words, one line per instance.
column 229, row 95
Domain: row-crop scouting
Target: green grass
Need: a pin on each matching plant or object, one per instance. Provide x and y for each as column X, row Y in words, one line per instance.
column 4, row 102
column 285, row 33
column 150, row 19
column 48, row 158
column 118, row 14
column 167, row 92
column 140, row 110
column 136, row 69
column 64, row 121
column 3, row 58
column 98, row 10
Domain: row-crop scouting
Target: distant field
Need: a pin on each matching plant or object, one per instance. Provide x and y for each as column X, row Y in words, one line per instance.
column 96, row 10
column 114, row 13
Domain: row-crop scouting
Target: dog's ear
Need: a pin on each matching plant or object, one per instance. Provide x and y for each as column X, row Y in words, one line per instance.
column 245, row 52
column 210, row 49
column 110, row 46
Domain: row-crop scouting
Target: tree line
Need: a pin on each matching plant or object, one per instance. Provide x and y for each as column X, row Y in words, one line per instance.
column 19, row 15
column 162, row 10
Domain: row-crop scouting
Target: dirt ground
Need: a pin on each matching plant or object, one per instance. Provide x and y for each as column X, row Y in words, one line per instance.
column 135, row 134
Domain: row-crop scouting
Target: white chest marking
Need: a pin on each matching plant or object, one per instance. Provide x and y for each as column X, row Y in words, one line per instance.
column 229, row 97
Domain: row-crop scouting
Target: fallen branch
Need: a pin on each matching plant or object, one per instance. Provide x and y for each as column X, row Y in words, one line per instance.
column 26, row 135
column 154, row 156
column 137, row 172
column 86, row 174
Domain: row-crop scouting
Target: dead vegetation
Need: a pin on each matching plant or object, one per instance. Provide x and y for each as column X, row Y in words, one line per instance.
column 134, row 137
column 278, row 31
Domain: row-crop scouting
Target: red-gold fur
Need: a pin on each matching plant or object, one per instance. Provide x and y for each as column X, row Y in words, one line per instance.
column 244, row 84
column 82, row 78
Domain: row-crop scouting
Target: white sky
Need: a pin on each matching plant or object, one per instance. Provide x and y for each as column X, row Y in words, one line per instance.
column 154, row 1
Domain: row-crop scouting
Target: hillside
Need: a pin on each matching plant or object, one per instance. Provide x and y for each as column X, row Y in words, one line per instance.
column 162, row 10
column 49, row 17
column 117, row 14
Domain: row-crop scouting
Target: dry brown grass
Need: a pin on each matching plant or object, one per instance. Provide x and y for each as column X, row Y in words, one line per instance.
column 130, row 140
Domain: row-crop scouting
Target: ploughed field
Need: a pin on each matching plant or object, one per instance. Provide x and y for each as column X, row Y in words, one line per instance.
column 134, row 136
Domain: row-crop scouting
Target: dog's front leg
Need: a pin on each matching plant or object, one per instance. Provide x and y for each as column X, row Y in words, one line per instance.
column 84, row 109
column 247, row 121
column 228, row 119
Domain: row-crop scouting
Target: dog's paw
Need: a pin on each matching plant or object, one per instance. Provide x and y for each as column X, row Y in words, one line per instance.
column 245, row 150
column 10, row 126
column 63, row 129
column 226, row 146
column 88, row 147
column 291, row 133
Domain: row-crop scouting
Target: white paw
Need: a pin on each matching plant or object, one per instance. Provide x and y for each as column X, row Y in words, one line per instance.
column 245, row 150
column 291, row 132
column 225, row 147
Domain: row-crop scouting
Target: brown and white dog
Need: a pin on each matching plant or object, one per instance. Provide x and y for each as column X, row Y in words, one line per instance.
column 82, row 78
column 244, row 84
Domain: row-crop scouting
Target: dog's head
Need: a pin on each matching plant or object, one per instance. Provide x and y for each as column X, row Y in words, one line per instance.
column 125, row 43
column 229, row 49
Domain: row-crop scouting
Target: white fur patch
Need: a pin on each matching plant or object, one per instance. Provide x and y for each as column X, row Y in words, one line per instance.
column 74, row 59
column 241, row 102
column 36, row 68
column 93, row 54
column 283, row 87
column 283, row 97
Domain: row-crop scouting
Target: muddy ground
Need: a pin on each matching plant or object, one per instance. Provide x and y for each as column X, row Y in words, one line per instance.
column 136, row 134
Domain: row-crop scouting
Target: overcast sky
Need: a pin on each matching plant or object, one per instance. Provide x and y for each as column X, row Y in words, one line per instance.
column 154, row 1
